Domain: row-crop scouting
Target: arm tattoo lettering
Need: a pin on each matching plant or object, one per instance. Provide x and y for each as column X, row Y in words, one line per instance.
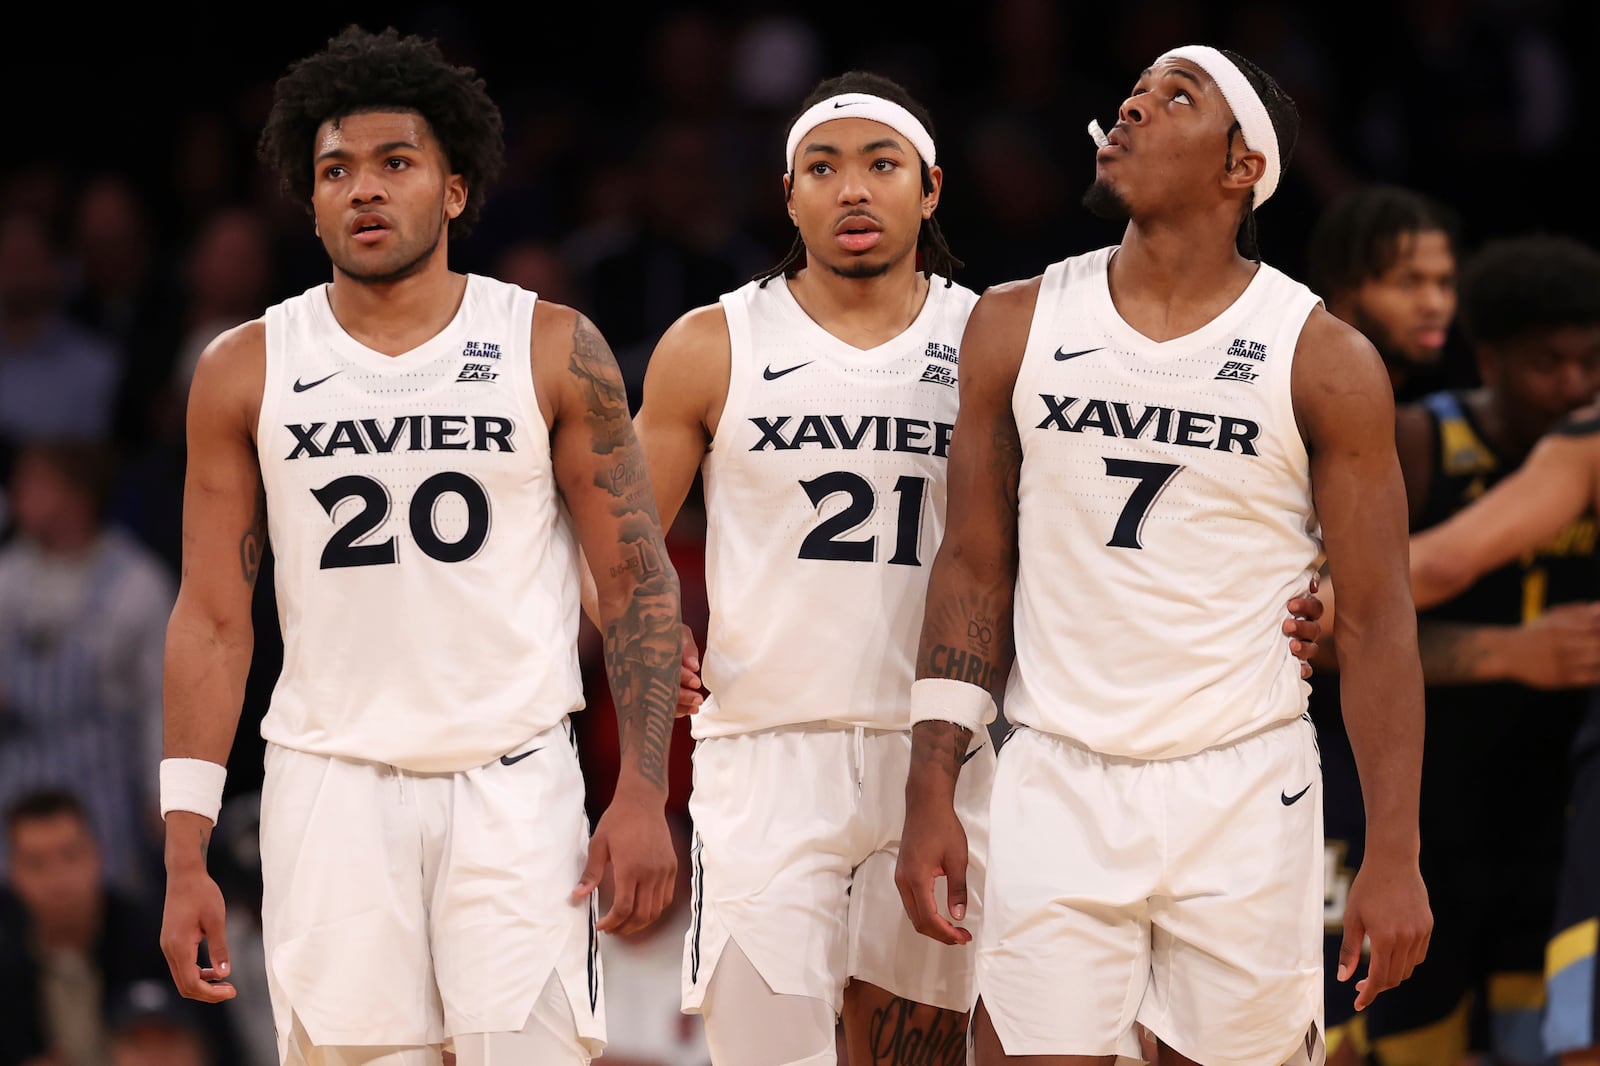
column 642, row 646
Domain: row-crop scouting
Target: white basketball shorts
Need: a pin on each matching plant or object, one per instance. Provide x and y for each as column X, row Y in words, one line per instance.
column 406, row 909
column 797, row 832
column 1184, row 895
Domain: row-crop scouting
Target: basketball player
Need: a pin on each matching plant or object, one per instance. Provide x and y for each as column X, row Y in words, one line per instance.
column 1530, row 308
column 1546, row 504
column 413, row 441
column 818, row 403
column 1165, row 429
column 1384, row 259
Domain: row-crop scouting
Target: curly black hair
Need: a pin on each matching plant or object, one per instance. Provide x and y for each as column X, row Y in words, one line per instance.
column 935, row 251
column 1359, row 235
column 1515, row 286
column 1285, row 118
column 360, row 71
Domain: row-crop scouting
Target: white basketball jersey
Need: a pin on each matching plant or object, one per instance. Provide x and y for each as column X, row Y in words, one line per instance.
column 1165, row 519
column 426, row 568
column 825, row 489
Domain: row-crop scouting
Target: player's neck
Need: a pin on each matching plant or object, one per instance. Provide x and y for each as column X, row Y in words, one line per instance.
column 1500, row 428
column 1168, row 280
column 393, row 317
column 862, row 312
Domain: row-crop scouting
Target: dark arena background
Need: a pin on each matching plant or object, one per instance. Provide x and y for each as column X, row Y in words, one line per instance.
column 643, row 179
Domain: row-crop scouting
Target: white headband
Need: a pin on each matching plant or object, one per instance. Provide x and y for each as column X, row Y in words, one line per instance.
column 860, row 105
column 1254, row 122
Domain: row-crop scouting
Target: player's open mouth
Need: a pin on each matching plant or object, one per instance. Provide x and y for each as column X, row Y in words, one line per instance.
column 857, row 233
column 369, row 228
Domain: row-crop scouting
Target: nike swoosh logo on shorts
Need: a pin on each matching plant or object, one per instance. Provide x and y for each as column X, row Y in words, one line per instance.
column 302, row 386
column 773, row 375
column 512, row 760
column 1288, row 799
column 1062, row 356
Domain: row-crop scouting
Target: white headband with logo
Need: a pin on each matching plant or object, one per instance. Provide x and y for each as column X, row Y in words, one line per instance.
column 1254, row 122
column 861, row 105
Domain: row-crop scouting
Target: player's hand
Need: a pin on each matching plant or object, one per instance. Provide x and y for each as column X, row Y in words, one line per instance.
column 1560, row 648
column 194, row 911
column 933, row 844
column 633, row 838
column 1303, row 626
column 689, row 696
column 1388, row 905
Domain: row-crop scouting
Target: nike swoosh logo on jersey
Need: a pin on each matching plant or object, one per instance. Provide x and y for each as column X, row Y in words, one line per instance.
column 1062, row 356
column 512, row 760
column 968, row 757
column 302, row 386
column 773, row 375
column 1288, row 799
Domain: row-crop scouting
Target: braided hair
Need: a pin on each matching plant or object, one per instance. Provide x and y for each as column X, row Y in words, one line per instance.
column 934, row 252
column 1285, row 123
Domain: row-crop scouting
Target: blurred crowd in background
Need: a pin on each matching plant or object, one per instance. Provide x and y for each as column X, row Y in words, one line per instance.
column 644, row 172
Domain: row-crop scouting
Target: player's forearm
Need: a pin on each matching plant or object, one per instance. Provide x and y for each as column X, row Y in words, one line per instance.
column 643, row 652
column 1458, row 654
column 1381, row 692
column 204, row 671
column 203, row 679
column 966, row 637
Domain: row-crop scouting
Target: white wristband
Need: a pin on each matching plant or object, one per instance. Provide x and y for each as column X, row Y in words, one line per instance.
column 193, row 785
column 941, row 699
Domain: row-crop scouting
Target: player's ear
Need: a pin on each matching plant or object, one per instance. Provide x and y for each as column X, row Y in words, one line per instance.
column 455, row 196
column 930, row 196
column 1244, row 167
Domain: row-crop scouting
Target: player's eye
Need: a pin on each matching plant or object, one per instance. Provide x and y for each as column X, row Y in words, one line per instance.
column 1183, row 96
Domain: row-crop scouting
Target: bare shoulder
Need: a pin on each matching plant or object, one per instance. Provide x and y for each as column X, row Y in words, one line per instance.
column 997, row 333
column 698, row 334
column 1333, row 356
column 696, row 344
column 554, row 328
column 1010, row 299
column 231, row 374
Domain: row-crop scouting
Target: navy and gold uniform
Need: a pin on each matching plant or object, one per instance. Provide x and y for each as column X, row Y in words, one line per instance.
column 1495, row 783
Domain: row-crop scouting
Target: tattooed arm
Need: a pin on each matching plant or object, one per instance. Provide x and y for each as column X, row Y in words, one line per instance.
column 209, row 636
column 600, row 470
column 966, row 627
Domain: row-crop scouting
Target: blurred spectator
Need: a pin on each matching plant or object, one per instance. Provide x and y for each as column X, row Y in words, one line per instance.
column 1383, row 259
column 228, row 279
column 83, row 612
column 539, row 266
column 679, row 246
column 645, row 1025
column 57, row 378
column 122, row 289
column 151, row 1025
column 69, row 944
